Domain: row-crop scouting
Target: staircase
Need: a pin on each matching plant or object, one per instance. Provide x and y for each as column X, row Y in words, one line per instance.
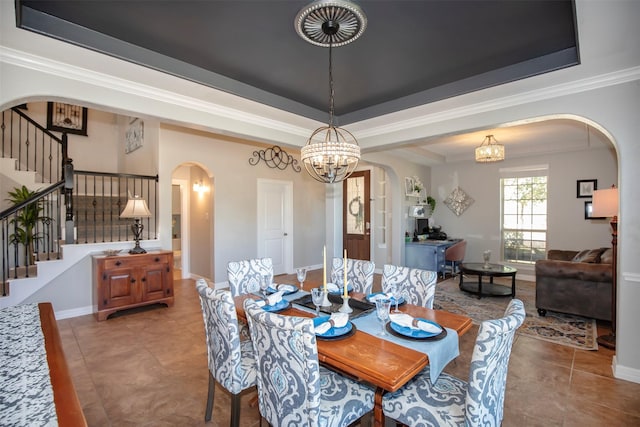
column 84, row 207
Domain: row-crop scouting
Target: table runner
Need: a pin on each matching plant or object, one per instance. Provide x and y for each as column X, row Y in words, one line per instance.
column 26, row 395
column 440, row 352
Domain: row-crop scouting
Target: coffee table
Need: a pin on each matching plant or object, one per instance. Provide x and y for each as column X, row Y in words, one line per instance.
column 481, row 270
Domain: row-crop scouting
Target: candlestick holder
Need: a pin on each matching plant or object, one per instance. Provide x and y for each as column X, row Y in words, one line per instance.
column 325, row 300
column 344, row 308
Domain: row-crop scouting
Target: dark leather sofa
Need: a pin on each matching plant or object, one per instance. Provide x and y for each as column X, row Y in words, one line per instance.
column 575, row 282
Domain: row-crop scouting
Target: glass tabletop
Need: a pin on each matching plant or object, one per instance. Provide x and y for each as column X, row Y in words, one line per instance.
column 480, row 267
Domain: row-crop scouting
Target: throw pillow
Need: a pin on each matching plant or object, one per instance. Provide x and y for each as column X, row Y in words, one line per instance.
column 607, row 256
column 588, row 255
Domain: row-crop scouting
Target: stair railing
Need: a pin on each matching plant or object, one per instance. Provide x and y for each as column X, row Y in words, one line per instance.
column 35, row 148
column 22, row 247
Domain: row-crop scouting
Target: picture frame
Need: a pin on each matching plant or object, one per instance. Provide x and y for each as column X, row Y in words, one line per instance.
column 67, row 118
column 588, row 211
column 134, row 136
column 586, row 187
column 409, row 187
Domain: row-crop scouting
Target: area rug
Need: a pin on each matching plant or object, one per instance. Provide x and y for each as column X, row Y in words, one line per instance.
column 573, row 331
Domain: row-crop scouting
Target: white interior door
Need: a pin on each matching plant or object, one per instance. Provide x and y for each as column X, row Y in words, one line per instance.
column 275, row 224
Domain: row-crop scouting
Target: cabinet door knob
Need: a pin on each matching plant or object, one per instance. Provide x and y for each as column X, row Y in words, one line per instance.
column 156, row 259
column 118, row 263
column 144, row 279
column 133, row 280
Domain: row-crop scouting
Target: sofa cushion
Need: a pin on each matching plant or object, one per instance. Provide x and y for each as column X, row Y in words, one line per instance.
column 589, row 256
column 607, row 256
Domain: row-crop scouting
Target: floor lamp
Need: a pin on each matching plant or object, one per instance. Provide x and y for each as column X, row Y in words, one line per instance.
column 136, row 208
column 605, row 204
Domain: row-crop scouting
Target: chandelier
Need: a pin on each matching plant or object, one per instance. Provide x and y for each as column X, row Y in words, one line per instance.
column 331, row 153
column 489, row 150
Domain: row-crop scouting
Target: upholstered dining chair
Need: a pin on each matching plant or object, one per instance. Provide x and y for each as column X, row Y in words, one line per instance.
column 359, row 273
column 244, row 276
column 416, row 286
column 453, row 256
column 231, row 361
column 454, row 402
column 293, row 389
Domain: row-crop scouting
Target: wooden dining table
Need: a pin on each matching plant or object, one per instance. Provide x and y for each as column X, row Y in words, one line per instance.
column 371, row 359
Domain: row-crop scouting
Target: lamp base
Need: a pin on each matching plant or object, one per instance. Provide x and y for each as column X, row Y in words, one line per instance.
column 137, row 249
column 608, row 341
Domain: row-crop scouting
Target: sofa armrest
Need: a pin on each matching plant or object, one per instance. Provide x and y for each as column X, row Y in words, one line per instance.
column 574, row 270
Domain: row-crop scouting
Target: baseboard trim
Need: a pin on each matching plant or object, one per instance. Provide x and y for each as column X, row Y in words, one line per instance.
column 624, row 372
column 74, row 312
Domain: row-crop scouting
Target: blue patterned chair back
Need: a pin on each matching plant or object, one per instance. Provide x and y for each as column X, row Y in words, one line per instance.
column 223, row 339
column 244, row 276
column 288, row 370
column 359, row 273
column 484, row 403
column 416, row 286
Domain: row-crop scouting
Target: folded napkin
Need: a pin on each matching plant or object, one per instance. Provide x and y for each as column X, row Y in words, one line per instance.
column 272, row 299
column 337, row 320
column 409, row 321
column 287, row 288
column 332, row 287
column 381, row 295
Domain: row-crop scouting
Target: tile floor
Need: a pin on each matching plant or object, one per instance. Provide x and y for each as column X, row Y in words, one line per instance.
column 149, row 368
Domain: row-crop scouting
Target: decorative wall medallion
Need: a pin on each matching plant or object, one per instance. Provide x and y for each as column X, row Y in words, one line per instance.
column 67, row 118
column 134, row 135
column 458, row 201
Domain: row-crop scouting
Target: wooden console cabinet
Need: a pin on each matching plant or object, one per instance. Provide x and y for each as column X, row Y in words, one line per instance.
column 126, row 281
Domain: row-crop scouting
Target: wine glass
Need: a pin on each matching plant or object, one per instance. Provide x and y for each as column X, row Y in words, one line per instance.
column 302, row 276
column 393, row 288
column 265, row 282
column 317, row 296
column 382, row 311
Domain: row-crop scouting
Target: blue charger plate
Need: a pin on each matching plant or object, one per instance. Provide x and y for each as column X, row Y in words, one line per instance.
column 392, row 299
column 282, row 305
column 334, row 333
column 416, row 334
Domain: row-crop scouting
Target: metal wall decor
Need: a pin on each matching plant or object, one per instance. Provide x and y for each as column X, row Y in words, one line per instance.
column 275, row 157
column 458, row 201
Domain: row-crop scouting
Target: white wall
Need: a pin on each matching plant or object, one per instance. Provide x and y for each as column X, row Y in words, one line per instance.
column 480, row 223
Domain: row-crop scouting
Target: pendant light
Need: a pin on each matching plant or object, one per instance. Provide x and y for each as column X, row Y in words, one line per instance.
column 331, row 153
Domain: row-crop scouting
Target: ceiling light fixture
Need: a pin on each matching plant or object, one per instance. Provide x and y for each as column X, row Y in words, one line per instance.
column 490, row 150
column 331, row 153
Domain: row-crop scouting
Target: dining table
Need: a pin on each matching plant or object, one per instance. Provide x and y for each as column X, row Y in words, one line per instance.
column 369, row 357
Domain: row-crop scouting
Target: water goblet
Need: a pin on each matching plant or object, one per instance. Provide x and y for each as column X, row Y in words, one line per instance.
column 301, row 273
column 317, row 296
column 382, row 311
column 265, row 282
column 394, row 291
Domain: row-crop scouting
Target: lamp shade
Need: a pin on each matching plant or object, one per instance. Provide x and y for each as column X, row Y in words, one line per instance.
column 136, row 208
column 605, row 203
column 490, row 150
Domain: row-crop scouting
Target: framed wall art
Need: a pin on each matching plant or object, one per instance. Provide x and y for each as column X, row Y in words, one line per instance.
column 67, row 118
column 586, row 187
column 134, row 136
column 588, row 211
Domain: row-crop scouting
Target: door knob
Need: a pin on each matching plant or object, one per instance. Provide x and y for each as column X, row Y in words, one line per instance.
column 286, row 234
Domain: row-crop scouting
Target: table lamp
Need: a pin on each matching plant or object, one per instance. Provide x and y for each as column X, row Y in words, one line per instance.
column 136, row 208
column 605, row 204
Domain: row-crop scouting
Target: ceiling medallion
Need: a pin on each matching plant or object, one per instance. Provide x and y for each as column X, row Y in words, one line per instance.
column 490, row 150
column 331, row 153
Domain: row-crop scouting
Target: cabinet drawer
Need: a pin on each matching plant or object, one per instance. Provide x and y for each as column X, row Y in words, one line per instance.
column 135, row 261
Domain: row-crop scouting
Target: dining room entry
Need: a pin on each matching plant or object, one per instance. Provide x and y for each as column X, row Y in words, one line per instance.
column 356, row 216
column 275, row 223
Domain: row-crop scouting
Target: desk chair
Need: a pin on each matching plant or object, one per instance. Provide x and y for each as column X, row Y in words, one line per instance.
column 454, row 254
column 231, row 361
column 293, row 389
column 416, row 286
column 454, row 402
column 359, row 273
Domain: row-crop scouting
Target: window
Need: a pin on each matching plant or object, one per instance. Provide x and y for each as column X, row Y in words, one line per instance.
column 524, row 215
